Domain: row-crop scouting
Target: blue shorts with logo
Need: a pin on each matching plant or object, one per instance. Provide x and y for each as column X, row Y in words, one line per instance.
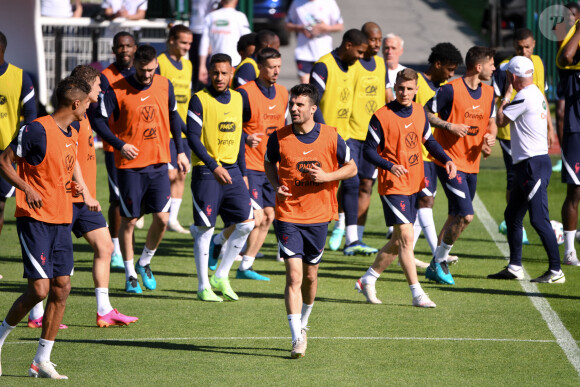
column 304, row 241
column 210, row 198
column 47, row 249
column 571, row 158
column 173, row 151
column 112, row 177
column 366, row 170
column 85, row 220
column 144, row 191
column 506, row 149
column 6, row 189
column 460, row 191
column 304, row 67
column 430, row 180
column 399, row 209
column 261, row 191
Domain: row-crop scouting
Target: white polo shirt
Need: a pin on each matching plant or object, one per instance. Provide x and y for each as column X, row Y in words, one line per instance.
column 529, row 131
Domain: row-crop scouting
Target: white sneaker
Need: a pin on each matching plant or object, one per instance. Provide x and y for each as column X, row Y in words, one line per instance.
column 423, row 301
column 298, row 348
column 368, row 290
column 571, row 259
column 44, row 369
column 176, row 227
column 304, row 331
column 452, row 259
column 140, row 223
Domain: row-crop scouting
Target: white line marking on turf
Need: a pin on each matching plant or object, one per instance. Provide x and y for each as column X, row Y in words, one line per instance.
column 562, row 335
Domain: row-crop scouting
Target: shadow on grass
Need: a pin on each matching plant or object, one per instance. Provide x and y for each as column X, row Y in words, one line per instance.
column 502, row 292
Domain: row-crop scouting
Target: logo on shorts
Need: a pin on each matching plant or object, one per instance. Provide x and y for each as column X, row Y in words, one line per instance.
column 150, row 133
column 414, row 159
column 284, row 239
column 255, row 193
column 208, row 210
column 227, row 127
column 411, row 140
column 148, row 113
column 402, row 205
column 459, row 179
column 371, row 107
column 427, row 181
column 577, row 167
column 42, row 259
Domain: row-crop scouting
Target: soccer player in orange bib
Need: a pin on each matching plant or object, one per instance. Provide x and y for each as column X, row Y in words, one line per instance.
column 305, row 182
column 466, row 123
column 393, row 144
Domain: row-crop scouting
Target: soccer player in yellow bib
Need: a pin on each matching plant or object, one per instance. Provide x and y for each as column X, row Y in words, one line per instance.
column 524, row 44
column 174, row 66
column 248, row 70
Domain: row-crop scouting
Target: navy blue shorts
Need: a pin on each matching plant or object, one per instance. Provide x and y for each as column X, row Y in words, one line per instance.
column 460, row 191
column 304, row 241
column 366, row 170
column 571, row 158
column 6, row 190
column 506, row 149
column 85, row 220
column 112, row 177
column 399, row 209
column 261, row 191
column 304, row 67
column 144, row 192
column 184, row 146
column 210, row 198
column 430, row 180
column 47, row 249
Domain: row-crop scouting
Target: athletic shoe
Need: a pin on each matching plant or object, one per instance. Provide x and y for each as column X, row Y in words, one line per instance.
column 359, row 248
column 117, row 261
column 223, row 285
column 525, row 240
column 140, row 223
column 421, row 264
column 44, row 369
column 368, row 290
column 508, row 274
column 250, row 274
column 423, row 301
column 176, row 227
column 298, row 348
column 114, row 318
column 214, row 253
column 502, row 228
column 558, row 166
column 336, row 238
column 452, row 259
column 208, row 295
column 571, row 259
column 132, row 286
column 304, row 336
column 38, row 323
column 146, row 275
column 439, row 272
column 551, row 278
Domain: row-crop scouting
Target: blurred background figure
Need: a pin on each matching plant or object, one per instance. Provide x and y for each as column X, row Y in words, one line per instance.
column 127, row 9
column 61, row 8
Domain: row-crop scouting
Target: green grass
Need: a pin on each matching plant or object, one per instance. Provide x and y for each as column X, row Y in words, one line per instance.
column 181, row 341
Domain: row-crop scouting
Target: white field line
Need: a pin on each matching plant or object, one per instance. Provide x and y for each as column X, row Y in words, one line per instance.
column 562, row 335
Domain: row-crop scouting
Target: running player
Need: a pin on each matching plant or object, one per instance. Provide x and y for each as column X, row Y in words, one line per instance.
column 174, row 66
column 218, row 184
column 248, row 70
column 465, row 123
column 265, row 105
column 334, row 77
column 45, row 184
column 392, row 144
column 144, row 111
column 305, row 183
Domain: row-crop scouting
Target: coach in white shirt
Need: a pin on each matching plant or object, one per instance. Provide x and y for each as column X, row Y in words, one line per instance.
column 527, row 116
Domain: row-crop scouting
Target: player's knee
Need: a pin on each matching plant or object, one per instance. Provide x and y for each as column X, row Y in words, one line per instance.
column 366, row 186
column 245, row 227
column 60, row 291
column 269, row 217
column 465, row 220
column 311, row 277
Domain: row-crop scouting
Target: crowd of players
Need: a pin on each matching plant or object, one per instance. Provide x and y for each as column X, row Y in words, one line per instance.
column 262, row 155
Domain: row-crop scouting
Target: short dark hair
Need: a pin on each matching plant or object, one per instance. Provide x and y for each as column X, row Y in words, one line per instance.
column 407, row 74
column 176, row 30
column 267, row 53
column 85, row 72
column 3, row 42
column 70, row 89
column 522, row 34
column 445, row 53
column 307, row 90
column 264, row 37
column 120, row 35
column 368, row 27
column 572, row 5
column 246, row 41
column 354, row 37
column 145, row 54
column 477, row 55
column 220, row 58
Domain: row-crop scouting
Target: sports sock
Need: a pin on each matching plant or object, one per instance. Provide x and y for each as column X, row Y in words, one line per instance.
column 37, row 311
column 5, row 330
column 569, row 241
column 370, row 277
column 201, row 254
column 103, row 303
column 351, row 234
column 416, row 231
column 220, row 238
column 416, row 290
column 174, row 209
column 360, row 230
column 306, row 310
column 235, row 243
column 556, row 271
column 514, row 267
column 442, row 252
column 43, row 351
column 129, row 270
column 294, row 322
column 146, row 256
column 425, row 216
column 117, row 246
column 247, row 262
column 340, row 222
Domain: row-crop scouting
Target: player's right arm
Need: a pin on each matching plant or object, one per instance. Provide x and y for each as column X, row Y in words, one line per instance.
column 374, row 141
column 27, row 96
column 568, row 52
column 271, row 158
column 318, row 78
column 441, row 103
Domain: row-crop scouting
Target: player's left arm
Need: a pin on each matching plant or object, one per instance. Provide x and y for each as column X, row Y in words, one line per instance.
column 346, row 171
column 271, row 158
column 176, row 125
column 27, row 96
column 491, row 133
column 318, row 78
